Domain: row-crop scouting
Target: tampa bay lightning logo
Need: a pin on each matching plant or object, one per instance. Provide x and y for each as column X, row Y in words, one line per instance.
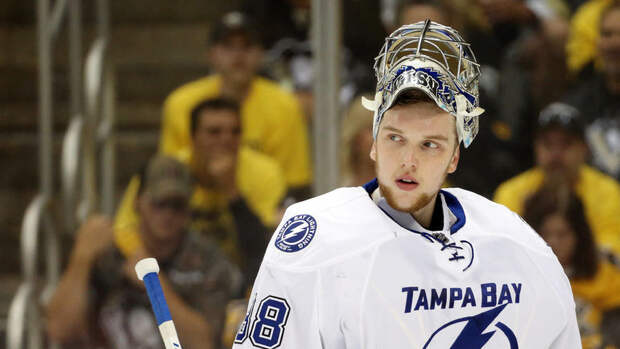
column 296, row 233
column 475, row 332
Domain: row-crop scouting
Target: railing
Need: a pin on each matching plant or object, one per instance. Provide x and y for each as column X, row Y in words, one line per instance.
column 327, row 37
column 86, row 135
column 24, row 312
column 21, row 310
column 24, row 307
column 70, row 168
column 99, row 89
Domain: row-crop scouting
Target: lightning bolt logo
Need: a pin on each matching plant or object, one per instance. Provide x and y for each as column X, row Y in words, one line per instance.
column 296, row 233
column 473, row 335
column 296, row 230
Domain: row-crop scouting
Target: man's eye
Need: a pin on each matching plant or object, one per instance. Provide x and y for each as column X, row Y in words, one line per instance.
column 431, row 145
column 396, row 138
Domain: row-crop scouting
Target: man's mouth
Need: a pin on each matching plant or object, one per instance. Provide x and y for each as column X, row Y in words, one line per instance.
column 406, row 183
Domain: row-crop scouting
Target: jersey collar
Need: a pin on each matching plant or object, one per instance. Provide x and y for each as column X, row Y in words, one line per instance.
column 453, row 213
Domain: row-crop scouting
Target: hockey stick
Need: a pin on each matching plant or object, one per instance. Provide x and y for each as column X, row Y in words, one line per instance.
column 147, row 270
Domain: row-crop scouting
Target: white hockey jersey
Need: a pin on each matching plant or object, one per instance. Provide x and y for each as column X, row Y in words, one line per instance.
column 340, row 272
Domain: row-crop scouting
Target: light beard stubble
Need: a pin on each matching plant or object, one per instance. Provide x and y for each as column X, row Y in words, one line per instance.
column 417, row 205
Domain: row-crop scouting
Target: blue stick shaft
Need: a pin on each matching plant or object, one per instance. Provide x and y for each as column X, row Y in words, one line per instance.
column 156, row 296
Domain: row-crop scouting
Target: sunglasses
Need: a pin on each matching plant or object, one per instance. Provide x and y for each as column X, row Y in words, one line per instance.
column 174, row 204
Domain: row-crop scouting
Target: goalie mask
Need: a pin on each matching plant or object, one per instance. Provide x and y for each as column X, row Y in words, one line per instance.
column 435, row 59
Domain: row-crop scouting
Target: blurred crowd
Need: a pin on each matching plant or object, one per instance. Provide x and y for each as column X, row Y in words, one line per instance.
column 235, row 151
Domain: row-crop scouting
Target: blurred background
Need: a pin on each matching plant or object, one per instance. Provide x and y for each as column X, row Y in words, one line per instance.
column 240, row 108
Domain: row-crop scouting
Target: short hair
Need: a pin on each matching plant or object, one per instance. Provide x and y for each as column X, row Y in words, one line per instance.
column 550, row 201
column 413, row 96
column 212, row 104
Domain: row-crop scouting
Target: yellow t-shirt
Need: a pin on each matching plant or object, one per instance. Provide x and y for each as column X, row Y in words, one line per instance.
column 272, row 123
column 584, row 34
column 602, row 291
column 599, row 193
column 592, row 298
column 263, row 194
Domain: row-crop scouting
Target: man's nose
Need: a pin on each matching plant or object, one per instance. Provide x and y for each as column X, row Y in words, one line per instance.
column 556, row 153
column 409, row 158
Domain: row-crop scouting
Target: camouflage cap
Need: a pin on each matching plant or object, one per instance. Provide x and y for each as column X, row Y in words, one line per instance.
column 166, row 177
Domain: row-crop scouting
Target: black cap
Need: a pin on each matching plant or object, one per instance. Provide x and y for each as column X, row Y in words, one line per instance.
column 561, row 115
column 234, row 23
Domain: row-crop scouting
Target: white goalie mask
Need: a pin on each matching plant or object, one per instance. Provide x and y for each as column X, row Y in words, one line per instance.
column 435, row 59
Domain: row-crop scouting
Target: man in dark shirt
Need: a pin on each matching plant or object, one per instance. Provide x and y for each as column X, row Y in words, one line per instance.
column 99, row 301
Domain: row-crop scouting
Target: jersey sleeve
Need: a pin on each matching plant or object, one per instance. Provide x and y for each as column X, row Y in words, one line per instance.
column 174, row 119
column 558, row 283
column 606, row 217
column 583, row 36
column 126, row 220
column 292, row 147
column 569, row 338
column 282, row 311
column 264, row 193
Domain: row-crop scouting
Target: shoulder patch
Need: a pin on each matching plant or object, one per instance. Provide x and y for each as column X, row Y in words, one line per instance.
column 296, row 233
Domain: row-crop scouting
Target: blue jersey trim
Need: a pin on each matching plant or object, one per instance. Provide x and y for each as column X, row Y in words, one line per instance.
column 453, row 204
column 472, row 254
column 371, row 186
column 457, row 210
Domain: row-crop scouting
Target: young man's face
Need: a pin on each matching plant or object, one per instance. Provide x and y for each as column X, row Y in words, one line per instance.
column 415, row 149
column 236, row 59
column 217, row 132
column 559, row 153
column 560, row 236
column 165, row 219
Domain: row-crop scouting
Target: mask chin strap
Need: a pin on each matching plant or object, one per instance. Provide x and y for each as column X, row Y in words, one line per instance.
column 373, row 106
column 461, row 114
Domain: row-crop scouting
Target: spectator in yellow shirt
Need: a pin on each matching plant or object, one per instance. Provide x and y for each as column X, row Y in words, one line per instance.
column 237, row 191
column 581, row 50
column 560, row 152
column 272, row 119
column 558, row 216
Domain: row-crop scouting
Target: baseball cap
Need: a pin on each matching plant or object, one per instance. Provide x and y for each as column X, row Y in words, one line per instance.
column 166, row 177
column 561, row 115
column 234, row 23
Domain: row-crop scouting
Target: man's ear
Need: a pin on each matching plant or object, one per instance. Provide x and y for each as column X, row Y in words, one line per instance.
column 373, row 151
column 455, row 159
